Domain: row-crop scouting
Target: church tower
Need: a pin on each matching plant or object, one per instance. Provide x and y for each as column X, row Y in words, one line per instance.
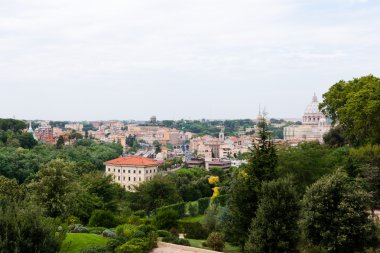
column 221, row 134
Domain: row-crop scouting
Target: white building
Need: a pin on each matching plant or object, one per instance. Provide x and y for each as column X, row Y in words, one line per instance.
column 314, row 125
column 129, row 171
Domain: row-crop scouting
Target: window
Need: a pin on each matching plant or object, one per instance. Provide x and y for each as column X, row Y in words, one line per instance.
column 139, row 178
column 129, row 171
column 118, row 171
column 113, row 170
column 123, row 178
column 129, row 178
column 123, row 171
column 109, row 169
column 134, row 171
column 118, row 178
column 134, row 178
column 154, row 170
column 139, row 171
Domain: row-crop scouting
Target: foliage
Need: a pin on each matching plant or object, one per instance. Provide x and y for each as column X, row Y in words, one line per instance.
column 203, row 204
column 179, row 208
column 23, row 228
column 102, row 218
column 176, row 240
column 335, row 214
column 209, row 223
column 166, row 219
column 355, row 106
column 193, row 230
column 193, row 209
column 135, row 245
column 215, row 241
column 275, row 228
column 335, row 137
column 149, row 195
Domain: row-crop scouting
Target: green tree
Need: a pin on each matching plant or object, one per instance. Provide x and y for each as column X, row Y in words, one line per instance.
column 355, row 106
column 335, row 137
column 55, row 188
column 275, row 228
column 27, row 140
column 23, row 228
column 60, row 142
column 245, row 186
column 166, row 219
column 335, row 214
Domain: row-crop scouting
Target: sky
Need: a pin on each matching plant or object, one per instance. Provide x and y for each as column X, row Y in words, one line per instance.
column 191, row 59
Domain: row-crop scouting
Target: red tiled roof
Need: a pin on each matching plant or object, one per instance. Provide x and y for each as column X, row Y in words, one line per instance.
column 132, row 160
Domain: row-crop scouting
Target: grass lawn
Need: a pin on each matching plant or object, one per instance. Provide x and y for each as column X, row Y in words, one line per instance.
column 75, row 242
column 227, row 247
column 198, row 218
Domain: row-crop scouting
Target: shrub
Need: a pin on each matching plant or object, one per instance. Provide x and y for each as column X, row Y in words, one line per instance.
column 114, row 243
column 77, row 228
column 146, row 228
column 135, row 220
column 102, row 218
column 73, row 220
column 203, row 204
column 135, row 245
column 166, row 219
column 140, row 213
column 96, row 230
column 180, row 208
column 127, row 230
column 221, row 200
column 163, row 233
column 193, row 209
column 193, row 230
column 176, row 240
column 109, row 233
column 216, row 241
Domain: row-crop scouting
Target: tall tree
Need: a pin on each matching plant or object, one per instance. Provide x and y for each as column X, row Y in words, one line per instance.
column 275, row 227
column 245, row 185
column 355, row 106
column 335, row 214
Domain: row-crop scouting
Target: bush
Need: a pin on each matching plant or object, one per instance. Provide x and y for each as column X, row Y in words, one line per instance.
column 135, row 245
column 193, row 209
column 108, row 233
column 126, row 230
column 176, row 240
column 216, row 241
column 135, row 220
column 96, row 230
column 193, row 230
column 77, row 228
column 221, row 200
column 146, row 228
column 114, row 243
column 140, row 213
column 180, row 208
column 203, row 204
column 163, row 233
column 102, row 218
column 166, row 219
column 73, row 220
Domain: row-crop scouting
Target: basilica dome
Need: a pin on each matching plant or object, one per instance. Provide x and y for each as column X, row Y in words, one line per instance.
column 312, row 113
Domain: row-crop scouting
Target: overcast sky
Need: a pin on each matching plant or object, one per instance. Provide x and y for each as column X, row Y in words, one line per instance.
column 192, row 59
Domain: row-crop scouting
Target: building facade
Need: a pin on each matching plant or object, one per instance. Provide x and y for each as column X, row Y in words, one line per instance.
column 314, row 125
column 130, row 171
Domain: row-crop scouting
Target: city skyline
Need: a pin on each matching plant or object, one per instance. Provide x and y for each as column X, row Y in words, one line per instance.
column 92, row 60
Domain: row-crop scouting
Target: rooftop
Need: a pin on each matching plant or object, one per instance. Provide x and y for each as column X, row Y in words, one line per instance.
column 132, row 160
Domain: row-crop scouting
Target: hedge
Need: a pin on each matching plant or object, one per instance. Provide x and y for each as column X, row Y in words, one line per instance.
column 193, row 230
column 203, row 204
column 221, row 200
column 180, row 208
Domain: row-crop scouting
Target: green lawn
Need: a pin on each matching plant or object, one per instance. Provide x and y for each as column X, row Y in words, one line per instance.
column 198, row 218
column 75, row 242
column 227, row 247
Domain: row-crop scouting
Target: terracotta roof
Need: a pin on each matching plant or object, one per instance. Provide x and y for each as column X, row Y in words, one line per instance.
column 132, row 160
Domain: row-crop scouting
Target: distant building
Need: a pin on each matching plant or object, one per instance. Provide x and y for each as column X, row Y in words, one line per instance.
column 130, row 171
column 314, row 125
column 74, row 126
column 153, row 119
column 44, row 134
